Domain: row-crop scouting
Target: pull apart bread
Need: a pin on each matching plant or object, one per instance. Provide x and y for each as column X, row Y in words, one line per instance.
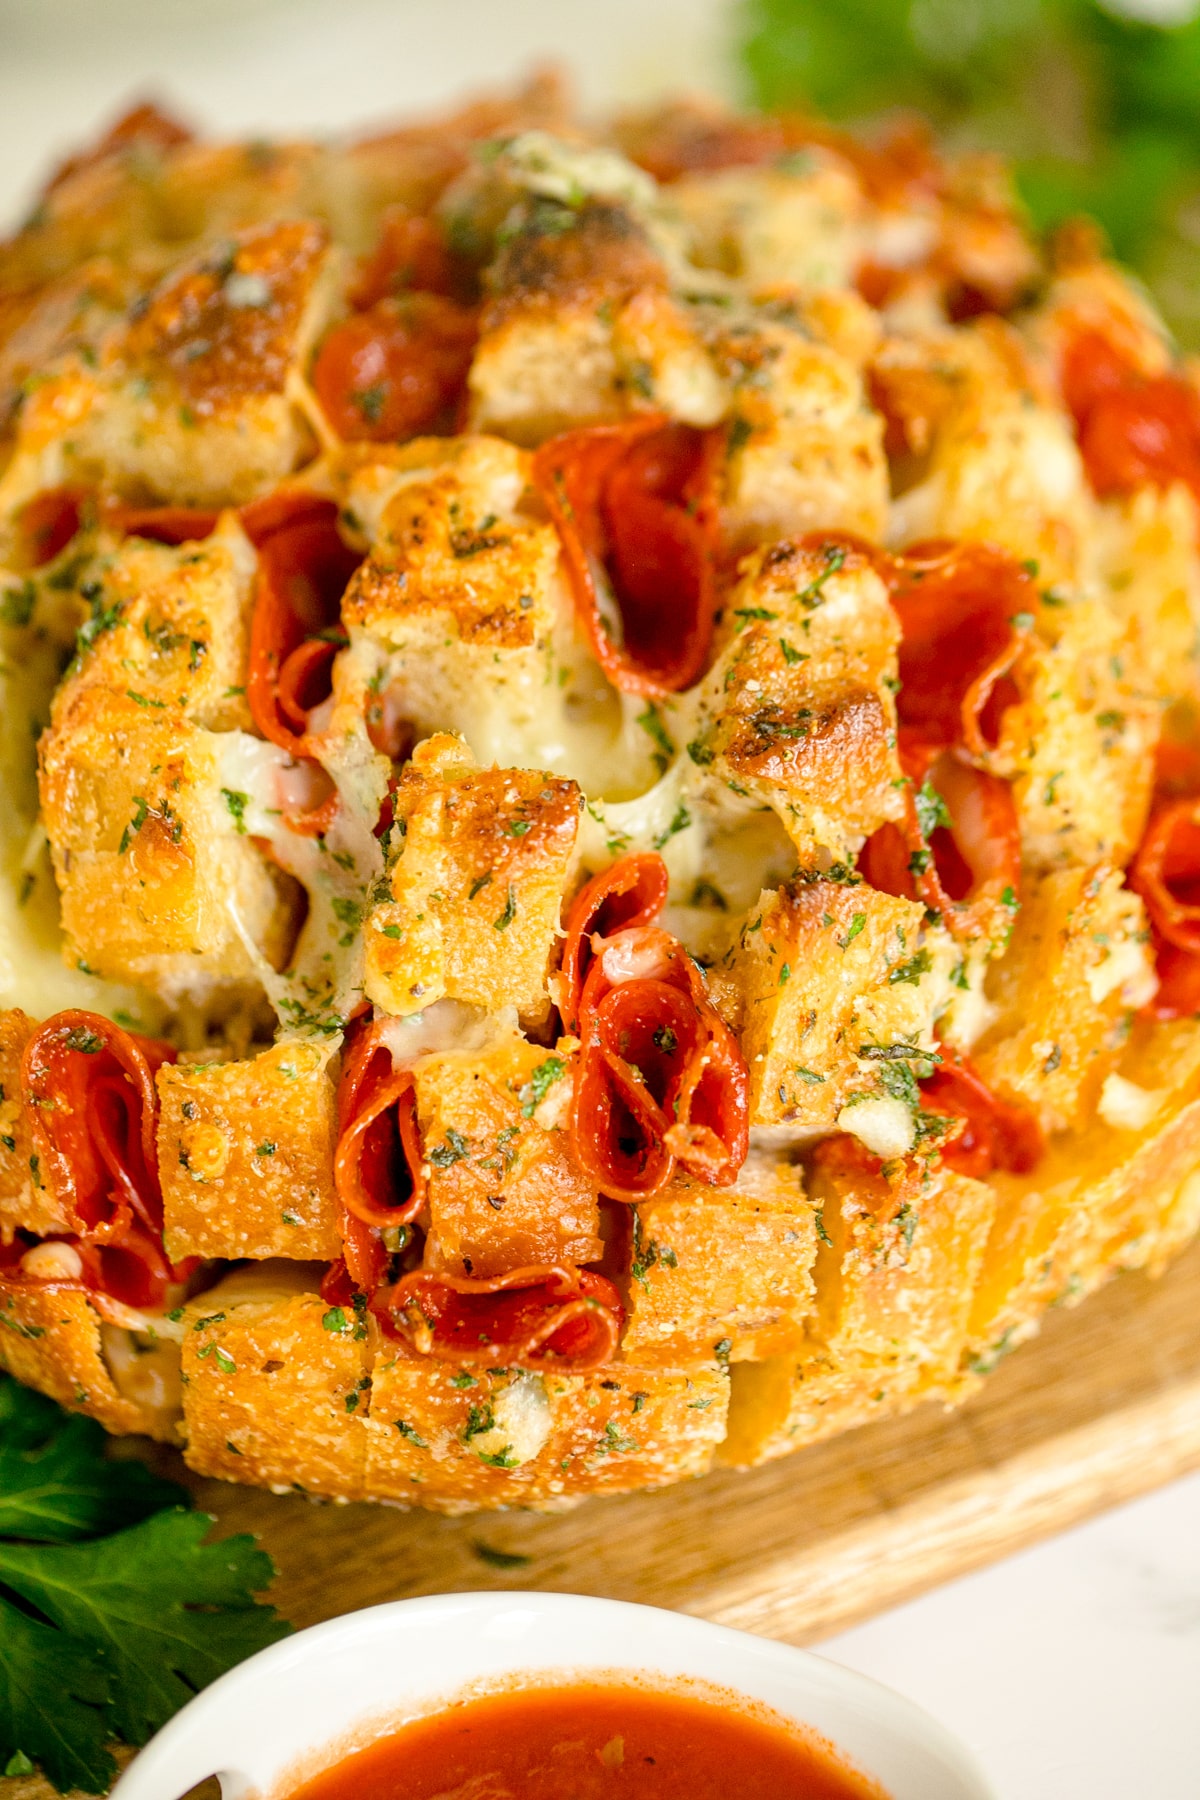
column 601, row 828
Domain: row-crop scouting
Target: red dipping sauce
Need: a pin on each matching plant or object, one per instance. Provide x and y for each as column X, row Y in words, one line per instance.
column 584, row 1742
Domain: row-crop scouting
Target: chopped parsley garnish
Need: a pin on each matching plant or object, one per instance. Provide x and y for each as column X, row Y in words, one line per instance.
column 680, row 822
column 411, row 1433
column 141, row 812
column 370, row 402
column 913, row 969
column 540, row 1083
column 812, row 595
column 856, row 926
column 456, row 1148
column 651, row 722
column 236, row 802
column 506, row 918
column 931, row 809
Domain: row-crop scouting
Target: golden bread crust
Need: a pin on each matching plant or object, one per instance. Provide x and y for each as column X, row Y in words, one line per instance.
column 602, row 912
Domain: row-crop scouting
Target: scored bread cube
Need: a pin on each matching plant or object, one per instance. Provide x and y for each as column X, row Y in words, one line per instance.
column 245, row 1155
column 484, row 859
column 1077, row 967
column 804, row 450
column 579, row 327
column 801, row 225
column 723, row 1272
column 53, row 1339
column 1079, row 745
column 456, row 1439
column 197, row 395
column 170, row 623
column 992, row 448
column 503, row 1190
column 460, row 595
column 156, row 884
column 1146, row 560
column 275, row 1383
column 26, row 1202
column 896, row 1267
column 1120, row 1194
column 833, row 988
column 798, row 710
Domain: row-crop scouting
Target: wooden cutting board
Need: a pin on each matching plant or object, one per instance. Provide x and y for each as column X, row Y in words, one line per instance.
column 1103, row 1405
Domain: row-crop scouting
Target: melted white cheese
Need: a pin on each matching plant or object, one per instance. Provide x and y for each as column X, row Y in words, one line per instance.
column 884, row 1125
column 1127, row 1107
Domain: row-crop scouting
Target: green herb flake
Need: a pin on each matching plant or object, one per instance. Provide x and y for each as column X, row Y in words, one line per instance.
column 236, row 803
column 539, row 1084
column 141, row 812
column 856, row 926
column 505, row 919
column 912, row 970
column 651, row 722
column 456, row 1148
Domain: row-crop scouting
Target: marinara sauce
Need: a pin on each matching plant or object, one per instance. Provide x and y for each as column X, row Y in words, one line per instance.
column 593, row 1743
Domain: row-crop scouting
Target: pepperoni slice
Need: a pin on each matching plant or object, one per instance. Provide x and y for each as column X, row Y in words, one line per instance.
column 90, row 1086
column 1134, row 429
column 661, row 1079
column 398, row 370
column 995, row 1133
column 958, row 848
column 634, row 507
column 632, row 891
column 378, row 1161
column 547, row 1317
column 966, row 613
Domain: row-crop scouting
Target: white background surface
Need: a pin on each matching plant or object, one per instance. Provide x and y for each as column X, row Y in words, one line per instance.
column 1074, row 1668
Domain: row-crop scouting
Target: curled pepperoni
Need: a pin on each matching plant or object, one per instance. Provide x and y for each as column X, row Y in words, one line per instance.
column 398, row 370
column 994, row 1134
column 94, row 1106
column 48, row 522
column 547, row 1317
column 295, row 633
column 958, row 848
column 1166, row 873
column 378, row 1163
column 662, row 1079
column 303, row 570
column 1134, row 429
column 966, row 612
column 633, row 505
column 162, row 524
column 410, row 253
column 631, row 891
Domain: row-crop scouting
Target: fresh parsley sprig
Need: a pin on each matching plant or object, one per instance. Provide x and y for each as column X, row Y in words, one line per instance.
column 113, row 1609
column 1096, row 106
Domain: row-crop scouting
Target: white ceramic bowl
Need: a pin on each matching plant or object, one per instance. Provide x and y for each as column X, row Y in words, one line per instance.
column 344, row 1684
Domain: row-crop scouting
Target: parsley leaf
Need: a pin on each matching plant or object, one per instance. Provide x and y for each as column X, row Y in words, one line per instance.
column 52, row 1690
column 55, row 1484
column 105, row 1637
column 136, row 1599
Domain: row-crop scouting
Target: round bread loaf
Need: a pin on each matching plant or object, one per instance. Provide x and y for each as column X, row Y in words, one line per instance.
column 600, row 858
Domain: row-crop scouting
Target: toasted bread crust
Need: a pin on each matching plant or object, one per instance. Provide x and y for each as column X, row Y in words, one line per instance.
column 550, row 1104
